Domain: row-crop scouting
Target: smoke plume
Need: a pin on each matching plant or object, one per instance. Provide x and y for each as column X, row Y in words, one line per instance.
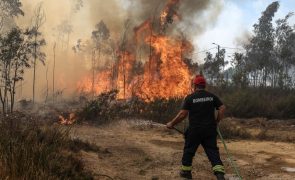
column 83, row 15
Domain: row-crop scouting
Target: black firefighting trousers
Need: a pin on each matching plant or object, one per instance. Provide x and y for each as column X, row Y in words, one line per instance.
column 208, row 139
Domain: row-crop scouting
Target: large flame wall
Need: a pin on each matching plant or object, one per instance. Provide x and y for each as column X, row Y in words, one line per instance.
column 165, row 75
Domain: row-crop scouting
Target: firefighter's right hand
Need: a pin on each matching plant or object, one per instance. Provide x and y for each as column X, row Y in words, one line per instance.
column 169, row 125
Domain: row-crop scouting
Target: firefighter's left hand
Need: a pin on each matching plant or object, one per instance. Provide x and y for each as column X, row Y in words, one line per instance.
column 169, row 125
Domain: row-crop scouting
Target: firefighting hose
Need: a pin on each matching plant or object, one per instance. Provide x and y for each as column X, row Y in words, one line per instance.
column 229, row 156
column 233, row 164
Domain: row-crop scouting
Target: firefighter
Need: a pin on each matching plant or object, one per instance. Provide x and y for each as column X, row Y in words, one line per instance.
column 200, row 106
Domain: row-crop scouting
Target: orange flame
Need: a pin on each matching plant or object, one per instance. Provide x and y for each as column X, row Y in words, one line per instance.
column 165, row 74
column 67, row 121
column 126, row 63
column 171, row 78
column 169, row 14
column 101, row 84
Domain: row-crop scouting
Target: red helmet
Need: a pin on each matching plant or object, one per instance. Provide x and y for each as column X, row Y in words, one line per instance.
column 199, row 80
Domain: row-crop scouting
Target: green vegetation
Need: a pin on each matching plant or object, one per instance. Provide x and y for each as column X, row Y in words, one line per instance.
column 266, row 59
column 242, row 103
column 271, row 103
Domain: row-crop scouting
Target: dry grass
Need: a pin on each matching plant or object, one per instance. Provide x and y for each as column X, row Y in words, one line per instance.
column 258, row 129
column 29, row 150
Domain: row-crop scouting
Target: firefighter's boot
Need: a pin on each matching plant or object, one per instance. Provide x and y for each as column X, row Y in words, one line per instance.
column 219, row 176
column 186, row 174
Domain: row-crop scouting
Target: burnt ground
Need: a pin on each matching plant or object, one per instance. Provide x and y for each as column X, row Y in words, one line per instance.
column 140, row 150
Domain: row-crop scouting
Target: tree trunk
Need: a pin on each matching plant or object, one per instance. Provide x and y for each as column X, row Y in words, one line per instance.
column 151, row 52
column 68, row 41
column 53, row 74
column 2, row 98
column 93, row 73
column 124, row 75
column 34, row 75
column 99, row 54
column 46, row 97
column 21, row 89
column 265, row 73
column 12, row 89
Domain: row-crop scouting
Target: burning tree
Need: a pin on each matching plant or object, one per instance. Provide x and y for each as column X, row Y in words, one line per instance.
column 164, row 73
column 99, row 35
column 101, row 73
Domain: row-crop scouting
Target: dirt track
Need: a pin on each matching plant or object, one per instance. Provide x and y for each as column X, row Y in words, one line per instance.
column 142, row 151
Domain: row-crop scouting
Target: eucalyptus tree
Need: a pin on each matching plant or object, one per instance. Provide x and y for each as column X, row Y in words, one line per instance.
column 34, row 33
column 260, row 51
column 9, row 9
column 16, row 49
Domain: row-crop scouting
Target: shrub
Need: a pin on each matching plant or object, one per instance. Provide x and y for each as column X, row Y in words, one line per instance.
column 242, row 103
column 103, row 108
column 258, row 102
column 31, row 151
column 230, row 131
column 285, row 107
column 161, row 110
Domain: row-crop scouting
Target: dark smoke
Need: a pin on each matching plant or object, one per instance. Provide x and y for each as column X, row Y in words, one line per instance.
column 83, row 15
column 195, row 15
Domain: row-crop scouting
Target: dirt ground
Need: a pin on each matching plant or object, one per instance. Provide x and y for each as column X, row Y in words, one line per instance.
column 135, row 150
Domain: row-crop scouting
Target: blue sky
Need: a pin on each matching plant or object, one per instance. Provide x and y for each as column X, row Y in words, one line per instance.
column 252, row 9
column 235, row 21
